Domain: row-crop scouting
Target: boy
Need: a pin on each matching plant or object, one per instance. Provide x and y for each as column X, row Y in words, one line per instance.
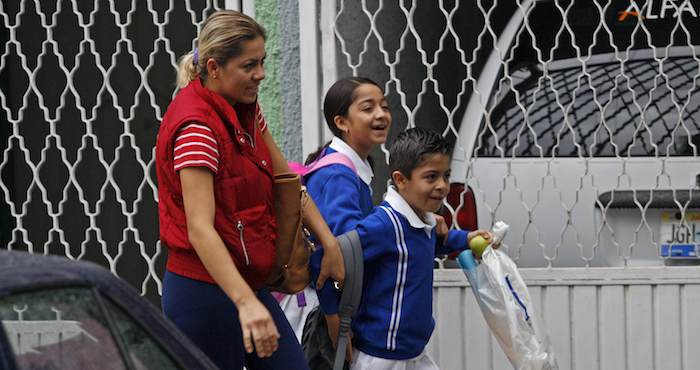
column 394, row 321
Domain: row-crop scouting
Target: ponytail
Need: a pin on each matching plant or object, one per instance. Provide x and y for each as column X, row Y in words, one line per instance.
column 186, row 70
column 315, row 155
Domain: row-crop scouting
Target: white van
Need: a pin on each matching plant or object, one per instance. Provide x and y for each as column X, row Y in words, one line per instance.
column 591, row 157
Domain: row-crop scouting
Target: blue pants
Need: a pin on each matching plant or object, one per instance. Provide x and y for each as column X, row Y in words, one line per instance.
column 210, row 319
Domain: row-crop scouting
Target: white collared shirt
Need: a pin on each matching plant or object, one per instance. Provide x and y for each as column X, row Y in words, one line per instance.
column 399, row 204
column 364, row 171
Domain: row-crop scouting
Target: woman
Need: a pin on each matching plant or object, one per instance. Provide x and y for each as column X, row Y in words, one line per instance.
column 215, row 161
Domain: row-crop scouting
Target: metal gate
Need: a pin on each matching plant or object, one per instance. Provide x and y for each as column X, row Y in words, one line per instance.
column 576, row 122
column 84, row 85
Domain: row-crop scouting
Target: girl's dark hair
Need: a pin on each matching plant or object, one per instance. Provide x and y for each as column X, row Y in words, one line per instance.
column 338, row 100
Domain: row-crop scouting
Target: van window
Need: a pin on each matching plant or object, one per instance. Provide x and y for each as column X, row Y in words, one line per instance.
column 611, row 109
column 56, row 329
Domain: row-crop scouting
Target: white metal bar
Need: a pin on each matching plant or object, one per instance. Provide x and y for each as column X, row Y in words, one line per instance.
column 667, row 328
column 328, row 67
column 584, row 335
column 248, row 7
column 450, row 338
column 478, row 341
column 233, row 5
column 690, row 325
column 640, row 354
column 556, row 313
column 311, row 118
column 612, row 327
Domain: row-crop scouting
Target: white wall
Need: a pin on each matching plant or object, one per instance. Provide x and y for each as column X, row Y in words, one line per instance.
column 597, row 319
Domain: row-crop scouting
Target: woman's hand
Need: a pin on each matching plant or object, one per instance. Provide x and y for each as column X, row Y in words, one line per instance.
column 332, row 265
column 257, row 326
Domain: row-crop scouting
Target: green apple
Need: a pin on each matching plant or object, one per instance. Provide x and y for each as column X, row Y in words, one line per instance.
column 478, row 244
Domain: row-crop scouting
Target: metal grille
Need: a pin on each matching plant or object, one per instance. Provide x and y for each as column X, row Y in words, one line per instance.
column 573, row 121
column 576, row 122
column 84, row 85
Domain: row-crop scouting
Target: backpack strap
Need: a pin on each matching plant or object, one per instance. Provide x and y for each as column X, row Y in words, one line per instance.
column 351, row 248
column 327, row 160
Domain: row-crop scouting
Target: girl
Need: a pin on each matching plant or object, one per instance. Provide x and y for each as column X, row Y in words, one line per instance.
column 357, row 113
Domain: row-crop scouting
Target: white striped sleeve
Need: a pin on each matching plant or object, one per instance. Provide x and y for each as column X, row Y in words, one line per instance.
column 196, row 146
column 262, row 123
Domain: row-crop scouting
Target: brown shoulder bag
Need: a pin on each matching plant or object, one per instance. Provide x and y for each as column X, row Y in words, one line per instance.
column 293, row 248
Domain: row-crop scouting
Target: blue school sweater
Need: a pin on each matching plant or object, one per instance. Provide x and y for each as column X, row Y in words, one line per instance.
column 343, row 199
column 395, row 319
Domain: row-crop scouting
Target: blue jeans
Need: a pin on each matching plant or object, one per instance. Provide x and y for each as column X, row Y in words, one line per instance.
column 210, row 319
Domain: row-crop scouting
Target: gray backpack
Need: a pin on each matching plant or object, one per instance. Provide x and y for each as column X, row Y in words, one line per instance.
column 315, row 341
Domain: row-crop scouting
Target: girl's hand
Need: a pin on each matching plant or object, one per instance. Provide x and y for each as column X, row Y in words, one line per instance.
column 257, row 326
column 332, row 265
column 333, row 326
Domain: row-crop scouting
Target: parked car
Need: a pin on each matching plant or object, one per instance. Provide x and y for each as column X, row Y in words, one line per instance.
column 61, row 314
column 589, row 153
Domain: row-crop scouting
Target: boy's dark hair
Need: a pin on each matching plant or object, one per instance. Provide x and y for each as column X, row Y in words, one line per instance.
column 410, row 148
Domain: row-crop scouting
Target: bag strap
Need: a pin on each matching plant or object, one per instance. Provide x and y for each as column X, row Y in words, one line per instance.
column 327, row 160
column 351, row 248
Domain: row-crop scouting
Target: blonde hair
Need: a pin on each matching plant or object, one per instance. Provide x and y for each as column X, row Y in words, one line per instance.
column 221, row 39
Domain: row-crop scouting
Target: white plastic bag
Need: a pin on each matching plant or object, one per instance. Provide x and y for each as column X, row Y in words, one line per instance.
column 507, row 308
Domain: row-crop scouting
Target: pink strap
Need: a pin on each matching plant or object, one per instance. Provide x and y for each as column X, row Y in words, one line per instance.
column 301, row 298
column 278, row 296
column 298, row 168
column 333, row 158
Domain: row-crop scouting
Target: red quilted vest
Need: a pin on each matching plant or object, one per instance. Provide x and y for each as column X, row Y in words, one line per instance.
column 242, row 188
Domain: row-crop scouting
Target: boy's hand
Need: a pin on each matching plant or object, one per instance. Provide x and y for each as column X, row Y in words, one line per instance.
column 486, row 235
column 441, row 228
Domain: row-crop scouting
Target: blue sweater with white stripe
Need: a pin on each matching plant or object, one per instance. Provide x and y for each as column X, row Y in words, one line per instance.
column 343, row 200
column 395, row 319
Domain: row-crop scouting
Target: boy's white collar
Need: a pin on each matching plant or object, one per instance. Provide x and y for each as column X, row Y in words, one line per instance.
column 399, row 204
column 363, row 168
